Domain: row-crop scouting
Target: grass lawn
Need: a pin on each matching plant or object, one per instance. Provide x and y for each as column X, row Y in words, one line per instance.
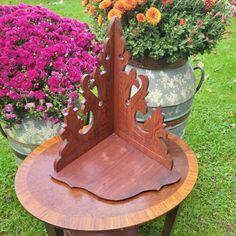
column 211, row 207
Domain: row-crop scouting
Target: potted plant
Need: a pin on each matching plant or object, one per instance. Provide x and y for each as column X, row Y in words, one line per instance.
column 42, row 59
column 161, row 36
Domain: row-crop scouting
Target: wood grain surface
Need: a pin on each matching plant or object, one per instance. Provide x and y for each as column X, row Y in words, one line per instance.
column 115, row 170
column 114, row 158
column 75, row 209
column 114, row 109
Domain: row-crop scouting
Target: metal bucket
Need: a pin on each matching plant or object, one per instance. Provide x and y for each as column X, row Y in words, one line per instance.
column 26, row 136
column 171, row 86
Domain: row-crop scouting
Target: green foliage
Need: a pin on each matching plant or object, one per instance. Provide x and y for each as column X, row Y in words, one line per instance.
column 211, row 132
column 169, row 40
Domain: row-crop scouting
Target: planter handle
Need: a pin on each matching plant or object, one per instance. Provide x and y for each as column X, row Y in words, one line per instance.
column 2, row 132
column 202, row 77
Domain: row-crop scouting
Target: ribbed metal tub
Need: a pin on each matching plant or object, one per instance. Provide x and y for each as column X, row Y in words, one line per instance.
column 25, row 137
column 171, row 86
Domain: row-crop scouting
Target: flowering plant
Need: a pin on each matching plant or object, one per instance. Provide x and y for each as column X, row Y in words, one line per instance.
column 165, row 29
column 233, row 7
column 42, row 59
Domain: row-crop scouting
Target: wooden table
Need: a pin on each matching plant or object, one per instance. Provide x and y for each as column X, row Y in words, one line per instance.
column 76, row 212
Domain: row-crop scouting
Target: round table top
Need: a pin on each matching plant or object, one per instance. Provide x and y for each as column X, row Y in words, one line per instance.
column 57, row 204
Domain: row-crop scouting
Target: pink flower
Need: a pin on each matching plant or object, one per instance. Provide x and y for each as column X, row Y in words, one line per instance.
column 14, row 95
column 54, row 82
column 2, row 93
column 43, row 56
column 211, row 13
column 54, row 120
column 164, row 2
column 73, row 95
column 190, row 40
column 182, row 22
column 40, row 108
column 29, row 105
column 64, row 111
column 10, row 116
column 233, row 9
column 8, row 108
column 200, row 22
column 32, row 74
column 49, row 105
column 39, row 95
column 26, row 86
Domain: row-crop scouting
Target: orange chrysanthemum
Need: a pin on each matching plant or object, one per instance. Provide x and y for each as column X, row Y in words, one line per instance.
column 114, row 12
column 91, row 10
column 88, row 7
column 141, row 1
column 153, row 16
column 100, row 20
column 84, row 3
column 105, row 4
column 129, row 4
column 209, row 4
column 119, row 5
column 141, row 17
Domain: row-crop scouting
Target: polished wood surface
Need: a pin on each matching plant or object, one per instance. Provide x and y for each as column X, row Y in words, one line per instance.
column 170, row 220
column 124, row 232
column 76, row 209
column 114, row 109
column 114, row 158
column 115, row 170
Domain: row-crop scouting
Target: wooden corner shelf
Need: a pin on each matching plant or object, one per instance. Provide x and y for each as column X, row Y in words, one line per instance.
column 114, row 158
column 114, row 173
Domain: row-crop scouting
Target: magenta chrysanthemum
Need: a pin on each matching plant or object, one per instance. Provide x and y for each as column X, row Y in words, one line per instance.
column 42, row 59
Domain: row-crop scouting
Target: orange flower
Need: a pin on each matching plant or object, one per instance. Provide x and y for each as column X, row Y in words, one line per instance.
column 91, row 10
column 84, row 3
column 87, row 8
column 114, row 12
column 129, row 4
column 209, row 4
column 141, row 1
column 153, row 15
column 119, row 5
column 100, row 20
column 105, row 4
column 141, row 17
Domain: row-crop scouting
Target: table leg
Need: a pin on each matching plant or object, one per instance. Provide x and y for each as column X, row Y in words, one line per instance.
column 170, row 221
column 124, row 232
column 53, row 231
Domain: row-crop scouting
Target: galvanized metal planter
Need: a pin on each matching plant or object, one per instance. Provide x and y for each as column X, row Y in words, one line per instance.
column 172, row 86
column 23, row 138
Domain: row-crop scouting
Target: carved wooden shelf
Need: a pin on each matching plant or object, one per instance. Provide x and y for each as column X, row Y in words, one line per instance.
column 114, row 158
column 69, row 181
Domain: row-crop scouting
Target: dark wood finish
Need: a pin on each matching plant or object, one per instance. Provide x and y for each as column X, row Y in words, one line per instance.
column 113, row 109
column 123, row 232
column 53, row 231
column 170, row 221
column 115, row 170
column 76, row 209
column 114, row 157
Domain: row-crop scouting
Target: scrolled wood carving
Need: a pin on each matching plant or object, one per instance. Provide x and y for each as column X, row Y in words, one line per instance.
column 114, row 109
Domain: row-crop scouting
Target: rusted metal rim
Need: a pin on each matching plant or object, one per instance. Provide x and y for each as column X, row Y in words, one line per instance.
column 174, row 122
column 151, row 64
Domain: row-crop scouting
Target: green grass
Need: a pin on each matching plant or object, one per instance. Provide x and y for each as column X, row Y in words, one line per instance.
column 70, row 8
column 210, row 210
